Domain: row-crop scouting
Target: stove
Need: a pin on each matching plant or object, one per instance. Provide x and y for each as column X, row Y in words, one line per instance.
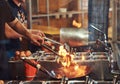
column 88, row 80
column 101, row 73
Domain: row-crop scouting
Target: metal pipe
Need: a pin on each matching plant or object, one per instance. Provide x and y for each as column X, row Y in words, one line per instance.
column 48, row 18
column 29, row 11
column 114, row 19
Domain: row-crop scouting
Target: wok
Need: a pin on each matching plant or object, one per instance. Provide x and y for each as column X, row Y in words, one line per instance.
column 57, row 71
column 83, row 67
column 97, row 69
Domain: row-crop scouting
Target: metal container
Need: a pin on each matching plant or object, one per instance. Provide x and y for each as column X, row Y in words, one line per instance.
column 74, row 36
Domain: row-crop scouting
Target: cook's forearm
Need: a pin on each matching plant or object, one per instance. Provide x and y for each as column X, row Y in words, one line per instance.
column 20, row 28
column 10, row 33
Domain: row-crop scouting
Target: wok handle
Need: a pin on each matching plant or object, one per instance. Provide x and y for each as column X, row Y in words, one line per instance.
column 30, row 63
column 37, row 66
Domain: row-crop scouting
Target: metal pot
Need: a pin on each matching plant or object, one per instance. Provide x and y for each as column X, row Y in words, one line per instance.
column 74, row 36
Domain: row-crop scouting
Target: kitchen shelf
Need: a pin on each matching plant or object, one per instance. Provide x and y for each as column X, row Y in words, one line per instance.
column 45, row 13
column 59, row 13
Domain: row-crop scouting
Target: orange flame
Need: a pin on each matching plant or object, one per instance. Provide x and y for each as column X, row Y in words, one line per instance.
column 70, row 67
column 76, row 24
column 66, row 58
column 83, row 57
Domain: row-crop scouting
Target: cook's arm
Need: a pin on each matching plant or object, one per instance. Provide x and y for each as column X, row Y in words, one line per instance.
column 10, row 33
column 21, row 29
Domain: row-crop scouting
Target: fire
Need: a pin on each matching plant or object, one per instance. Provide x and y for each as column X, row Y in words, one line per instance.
column 62, row 51
column 66, row 58
column 83, row 57
column 69, row 67
column 72, row 71
column 76, row 67
column 76, row 24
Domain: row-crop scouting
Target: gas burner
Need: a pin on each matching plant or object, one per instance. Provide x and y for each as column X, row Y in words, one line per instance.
column 61, row 82
column 65, row 80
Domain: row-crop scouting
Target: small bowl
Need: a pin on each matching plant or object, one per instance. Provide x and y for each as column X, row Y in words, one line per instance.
column 62, row 10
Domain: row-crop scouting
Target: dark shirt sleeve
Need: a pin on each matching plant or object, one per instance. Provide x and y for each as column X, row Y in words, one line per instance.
column 5, row 12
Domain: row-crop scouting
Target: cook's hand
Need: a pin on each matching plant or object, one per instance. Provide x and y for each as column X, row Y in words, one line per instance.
column 38, row 35
column 37, row 32
column 36, row 39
